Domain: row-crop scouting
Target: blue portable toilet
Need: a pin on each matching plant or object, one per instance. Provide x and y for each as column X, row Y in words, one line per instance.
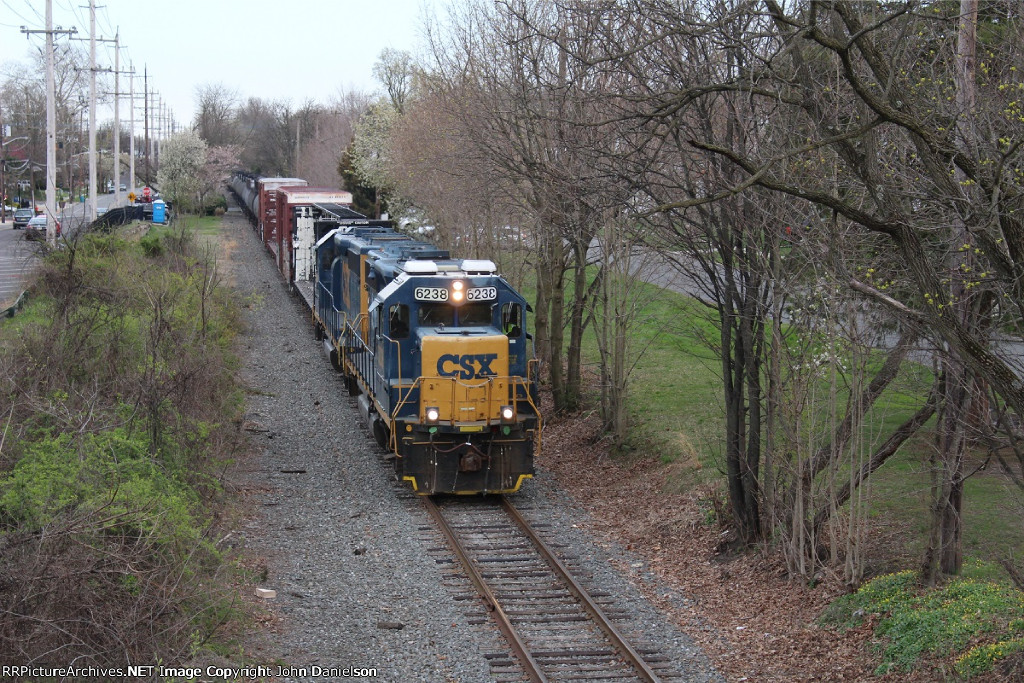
column 159, row 211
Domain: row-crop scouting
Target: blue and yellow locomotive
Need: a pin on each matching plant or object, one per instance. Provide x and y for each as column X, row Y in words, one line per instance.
column 436, row 350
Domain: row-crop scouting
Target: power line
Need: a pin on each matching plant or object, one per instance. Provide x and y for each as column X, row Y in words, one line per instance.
column 21, row 16
column 14, row 12
column 108, row 27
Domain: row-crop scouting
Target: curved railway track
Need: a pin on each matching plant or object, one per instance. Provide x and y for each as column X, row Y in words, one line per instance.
column 556, row 630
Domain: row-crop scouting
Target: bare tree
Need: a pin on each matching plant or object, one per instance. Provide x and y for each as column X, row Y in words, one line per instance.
column 870, row 95
column 267, row 137
column 23, row 108
column 521, row 102
column 464, row 203
column 395, row 70
column 216, row 112
column 324, row 132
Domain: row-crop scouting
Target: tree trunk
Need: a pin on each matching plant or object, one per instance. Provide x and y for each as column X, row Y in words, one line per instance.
column 554, row 274
column 574, row 380
column 740, row 470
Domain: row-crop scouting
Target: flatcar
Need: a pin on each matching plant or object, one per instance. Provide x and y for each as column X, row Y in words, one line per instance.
column 434, row 348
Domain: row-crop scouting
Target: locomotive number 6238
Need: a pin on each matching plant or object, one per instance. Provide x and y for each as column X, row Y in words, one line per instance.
column 430, row 294
column 481, row 294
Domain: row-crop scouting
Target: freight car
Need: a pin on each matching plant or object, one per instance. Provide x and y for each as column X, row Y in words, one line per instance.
column 434, row 348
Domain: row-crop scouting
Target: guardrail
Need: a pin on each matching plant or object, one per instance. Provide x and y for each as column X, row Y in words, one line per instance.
column 16, row 306
column 121, row 216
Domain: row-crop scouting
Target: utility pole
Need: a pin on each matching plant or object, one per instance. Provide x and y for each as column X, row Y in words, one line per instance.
column 158, row 131
column 145, row 116
column 51, row 134
column 3, row 167
column 31, row 166
column 92, row 110
column 298, row 144
column 51, row 127
column 117, row 118
column 158, row 136
column 117, row 113
column 131, row 128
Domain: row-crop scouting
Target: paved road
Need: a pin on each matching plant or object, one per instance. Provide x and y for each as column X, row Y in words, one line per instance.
column 18, row 255
column 661, row 271
column 17, row 258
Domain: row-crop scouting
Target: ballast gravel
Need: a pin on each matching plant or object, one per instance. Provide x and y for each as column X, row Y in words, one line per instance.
column 357, row 580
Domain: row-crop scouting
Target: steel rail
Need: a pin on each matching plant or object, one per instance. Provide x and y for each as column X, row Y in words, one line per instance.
column 518, row 645
column 596, row 613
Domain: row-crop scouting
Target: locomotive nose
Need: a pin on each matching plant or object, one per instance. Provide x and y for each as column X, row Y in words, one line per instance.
column 465, row 378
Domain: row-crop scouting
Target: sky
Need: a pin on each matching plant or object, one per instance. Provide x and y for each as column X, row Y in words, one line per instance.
column 293, row 50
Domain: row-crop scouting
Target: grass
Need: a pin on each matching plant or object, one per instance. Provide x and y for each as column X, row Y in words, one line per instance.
column 676, row 396
column 198, row 225
column 202, row 225
column 673, row 356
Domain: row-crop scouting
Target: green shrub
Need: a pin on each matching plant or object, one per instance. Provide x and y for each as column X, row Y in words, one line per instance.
column 151, row 245
column 111, row 470
column 212, row 204
column 937, row 622
column 117, row 381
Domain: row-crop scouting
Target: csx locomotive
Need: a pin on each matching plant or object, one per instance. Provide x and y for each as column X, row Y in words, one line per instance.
column 436, row 350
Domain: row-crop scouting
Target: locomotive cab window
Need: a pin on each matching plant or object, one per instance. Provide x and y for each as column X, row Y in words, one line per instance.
column 474, row 315
column 433, row 314
column 512, row 320
column 398, row 321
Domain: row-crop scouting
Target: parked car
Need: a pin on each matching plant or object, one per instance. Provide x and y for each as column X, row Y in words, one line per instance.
column 36, row 228
column 22, row 217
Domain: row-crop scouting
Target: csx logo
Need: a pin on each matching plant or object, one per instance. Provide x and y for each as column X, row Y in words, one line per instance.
column 467, row 366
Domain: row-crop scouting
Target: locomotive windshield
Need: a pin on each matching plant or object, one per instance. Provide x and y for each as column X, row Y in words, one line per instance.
column 434, row 314
column 474, row 315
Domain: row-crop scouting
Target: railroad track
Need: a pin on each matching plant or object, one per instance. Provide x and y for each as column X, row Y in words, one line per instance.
column 555, row 629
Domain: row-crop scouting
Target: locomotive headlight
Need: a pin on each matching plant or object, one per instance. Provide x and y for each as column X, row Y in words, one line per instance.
column 458, row 290
column 432, row 414
column 508, row 414
column 458, row 285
